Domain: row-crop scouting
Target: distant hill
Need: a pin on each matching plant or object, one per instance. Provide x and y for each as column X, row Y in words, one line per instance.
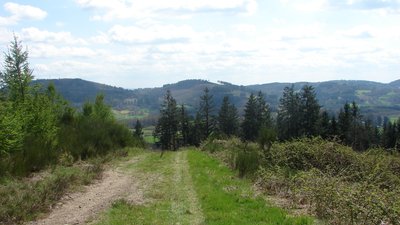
column 373, row 97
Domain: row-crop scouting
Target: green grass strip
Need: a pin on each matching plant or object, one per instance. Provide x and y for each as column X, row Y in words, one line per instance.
column 225, row 199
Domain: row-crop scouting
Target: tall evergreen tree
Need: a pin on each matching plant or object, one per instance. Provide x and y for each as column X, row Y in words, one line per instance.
column 168, row 123
column 344, row 124
column 250, row 123
column 263, row 112
column 228, row 118
column 17, row 74
column 289, row 115
column 333, row 126
column 206, row 113
column 184, row 126
column 309, row 111
column 324, row 125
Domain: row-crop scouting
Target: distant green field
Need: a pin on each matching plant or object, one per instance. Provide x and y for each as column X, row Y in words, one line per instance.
column 148, row 134
column 129, row 115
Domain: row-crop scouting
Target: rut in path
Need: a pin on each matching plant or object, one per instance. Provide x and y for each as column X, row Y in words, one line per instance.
column 81, row 207
column 186, row 193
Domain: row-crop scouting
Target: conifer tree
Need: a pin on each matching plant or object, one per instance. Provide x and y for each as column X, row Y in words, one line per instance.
column 228, row 119
column 309, row 111
column 289, row 115
column 184, row 126
column 17, row 74
column 138, row 130
column 250, row 123
column 167, row 126
column 206, row 113
column 263, row 112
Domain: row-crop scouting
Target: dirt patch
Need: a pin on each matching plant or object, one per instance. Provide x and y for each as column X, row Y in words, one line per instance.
column 81, row 207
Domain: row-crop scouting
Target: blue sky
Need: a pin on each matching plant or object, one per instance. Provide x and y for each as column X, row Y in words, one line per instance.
column 136, row 44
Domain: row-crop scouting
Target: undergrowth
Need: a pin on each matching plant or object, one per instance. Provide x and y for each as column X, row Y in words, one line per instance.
column 23, row 199
column 339, row 185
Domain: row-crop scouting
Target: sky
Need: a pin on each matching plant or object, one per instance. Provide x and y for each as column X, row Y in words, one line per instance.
column 138, row 44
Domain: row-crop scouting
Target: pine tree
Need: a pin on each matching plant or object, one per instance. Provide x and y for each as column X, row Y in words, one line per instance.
column 184, row 126
column 138, row 130
column 17, row 74
column 289, row 115
column 324, row 125
column 333, row 126
column 228, row 119
column 250, row 125
column 263, row 112
column 309, row 111
column 206, row 113
column 168, row 123
column 344, row 124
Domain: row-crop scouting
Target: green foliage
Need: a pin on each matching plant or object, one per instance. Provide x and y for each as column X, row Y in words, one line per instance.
column 339, row 185
column 226, row 200
column 266, row 137
column 11, row 135
column 167, row 126
column 247, row 161
column 138, row 129
column 228, row 118
column 206, row 113
column 17, row 74
column 298, row 113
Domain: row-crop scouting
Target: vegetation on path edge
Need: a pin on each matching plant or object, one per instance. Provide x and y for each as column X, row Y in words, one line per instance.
column 189, row 187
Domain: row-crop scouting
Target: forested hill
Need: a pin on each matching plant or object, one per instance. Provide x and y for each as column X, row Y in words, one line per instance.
column 373, row 97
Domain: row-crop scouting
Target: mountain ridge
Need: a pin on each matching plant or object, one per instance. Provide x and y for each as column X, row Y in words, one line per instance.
column 374, row 98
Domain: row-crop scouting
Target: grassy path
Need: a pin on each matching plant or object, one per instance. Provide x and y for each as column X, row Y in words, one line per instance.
column 189, row 187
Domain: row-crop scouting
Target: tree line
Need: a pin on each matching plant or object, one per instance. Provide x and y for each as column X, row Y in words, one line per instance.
column 38, row 127
column 299, row 115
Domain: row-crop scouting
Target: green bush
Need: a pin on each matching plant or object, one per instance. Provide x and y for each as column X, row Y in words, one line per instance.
column 340, row 186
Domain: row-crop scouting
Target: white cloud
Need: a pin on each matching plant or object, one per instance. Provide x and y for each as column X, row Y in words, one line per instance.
column 49, row 51
column 21, row 12
column 154, row 34
column 34, row 34
column 123, row 9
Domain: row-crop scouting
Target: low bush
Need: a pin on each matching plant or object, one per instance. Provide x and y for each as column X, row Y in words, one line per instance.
column 339, row 185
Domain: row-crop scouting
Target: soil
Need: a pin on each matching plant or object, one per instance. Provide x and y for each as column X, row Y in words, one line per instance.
column 84, row 207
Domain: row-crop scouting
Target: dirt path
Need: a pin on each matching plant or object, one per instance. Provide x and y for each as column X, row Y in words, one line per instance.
column 83, row 207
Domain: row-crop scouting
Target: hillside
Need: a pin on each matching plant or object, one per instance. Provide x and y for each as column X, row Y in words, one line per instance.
column 374, row 98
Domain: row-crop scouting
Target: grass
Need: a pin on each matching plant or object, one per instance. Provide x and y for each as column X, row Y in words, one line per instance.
column 24, row 199
column 130, row 115
column 226, row 199
column 156, row 173
column 190, row 187
column 148, row 135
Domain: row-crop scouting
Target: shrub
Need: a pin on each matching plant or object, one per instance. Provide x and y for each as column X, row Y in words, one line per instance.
column 339, row 185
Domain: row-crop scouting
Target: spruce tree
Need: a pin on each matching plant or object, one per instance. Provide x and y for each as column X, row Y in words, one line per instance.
column 324, row 126
column 263, row 112
column 17, row 74
column 167, row 126
column 228, row 119
column 206, row 113
column 344, row 124
column 309, row 111
column 184, row 126
column 289, row 115
column 250, row 125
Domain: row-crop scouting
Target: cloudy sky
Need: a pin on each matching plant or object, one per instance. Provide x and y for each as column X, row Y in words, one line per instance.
column 136, row 43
